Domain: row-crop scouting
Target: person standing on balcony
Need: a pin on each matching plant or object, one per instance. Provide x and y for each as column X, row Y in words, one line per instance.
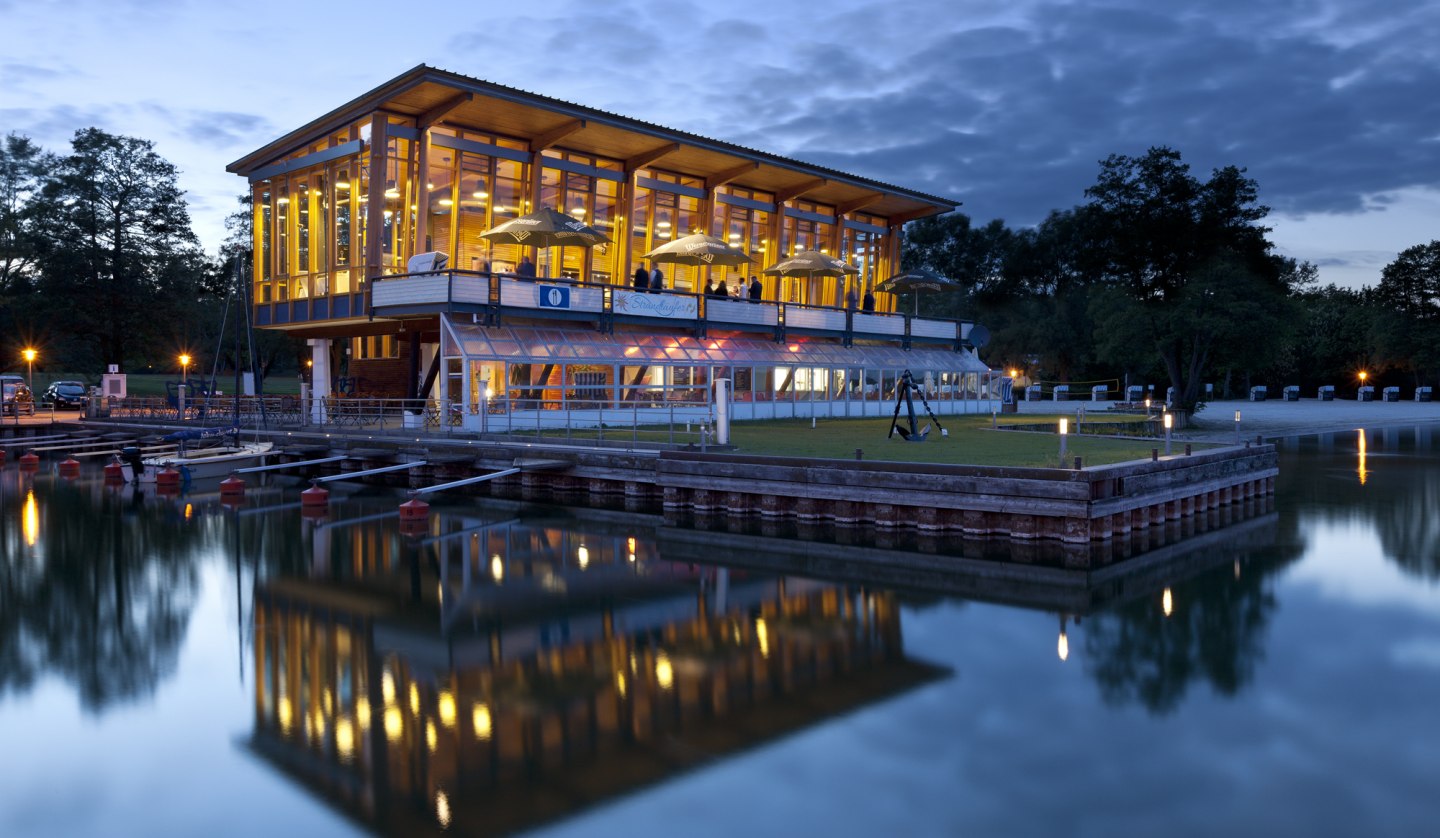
column 869, row 303
column 526, row 268
column 754, row 289
column 852, row 298
column 657, row 279
column 642, row 278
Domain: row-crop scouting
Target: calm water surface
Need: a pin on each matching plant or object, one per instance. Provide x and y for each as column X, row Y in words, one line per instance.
column 171, row 666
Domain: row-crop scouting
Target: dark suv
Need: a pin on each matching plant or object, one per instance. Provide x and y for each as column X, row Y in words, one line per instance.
column 65, row 394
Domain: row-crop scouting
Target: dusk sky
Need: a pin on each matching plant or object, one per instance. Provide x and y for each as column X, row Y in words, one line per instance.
column 1007, row 106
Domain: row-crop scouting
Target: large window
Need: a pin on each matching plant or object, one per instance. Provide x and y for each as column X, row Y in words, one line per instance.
column 808, row 226
column 746, row 227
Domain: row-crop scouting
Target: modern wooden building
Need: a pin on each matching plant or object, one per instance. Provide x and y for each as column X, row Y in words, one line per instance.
column 428, row 161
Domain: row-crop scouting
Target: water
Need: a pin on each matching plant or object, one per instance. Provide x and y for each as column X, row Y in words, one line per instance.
column 173, row 666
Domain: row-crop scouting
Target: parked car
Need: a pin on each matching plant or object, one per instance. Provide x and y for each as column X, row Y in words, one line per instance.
column 65, row 394
column 16, row 398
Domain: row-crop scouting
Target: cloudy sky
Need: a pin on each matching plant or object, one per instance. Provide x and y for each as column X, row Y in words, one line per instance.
column 1007, row 105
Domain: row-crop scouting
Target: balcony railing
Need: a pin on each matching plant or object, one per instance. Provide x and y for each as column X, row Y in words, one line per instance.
column 498, row 295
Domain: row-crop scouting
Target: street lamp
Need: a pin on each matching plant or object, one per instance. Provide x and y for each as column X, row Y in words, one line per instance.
column 184, row 369
column 29, row 355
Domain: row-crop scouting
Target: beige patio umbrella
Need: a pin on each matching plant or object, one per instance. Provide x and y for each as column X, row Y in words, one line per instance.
column 916, row 280
column 811, row 263
column 698, row 249
column 545, row 227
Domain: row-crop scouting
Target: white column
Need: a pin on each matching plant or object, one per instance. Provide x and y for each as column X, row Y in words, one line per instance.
column 722, row 411
column 319, row 377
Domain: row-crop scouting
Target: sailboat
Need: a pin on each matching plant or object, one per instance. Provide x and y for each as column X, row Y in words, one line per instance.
column 206, row 452
column 213, row 456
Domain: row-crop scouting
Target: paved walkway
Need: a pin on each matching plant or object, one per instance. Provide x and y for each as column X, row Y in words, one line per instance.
column 1277, row 418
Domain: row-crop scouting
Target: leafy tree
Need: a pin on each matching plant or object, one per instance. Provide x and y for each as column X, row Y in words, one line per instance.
column 1407, row 329
column 118, row 238
column 1190, row 262
column 24, row 168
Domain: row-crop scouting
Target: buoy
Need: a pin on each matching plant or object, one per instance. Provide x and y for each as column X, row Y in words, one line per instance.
column 314, row 497
column 168, row 478
column 114, row 472
column 314, row 512
column 414, row 510
column 232, row 487
column 69, row 467
column 2, row 456
column 415, row 528
column 29, row 461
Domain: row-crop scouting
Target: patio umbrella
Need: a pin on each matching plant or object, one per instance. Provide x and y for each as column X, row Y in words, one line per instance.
column 546, row 228
column 698, row 249
column 916, row 280
column 811, row 263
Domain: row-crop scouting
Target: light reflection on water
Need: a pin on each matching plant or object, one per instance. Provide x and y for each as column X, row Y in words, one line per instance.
column 511, row 667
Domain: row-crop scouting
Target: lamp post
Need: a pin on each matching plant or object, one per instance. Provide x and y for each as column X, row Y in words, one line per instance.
column 1237, row 427
column 1064, row 432
column 1363, row 375
column 1168, row 421
column 29, row 355
column 185, row 369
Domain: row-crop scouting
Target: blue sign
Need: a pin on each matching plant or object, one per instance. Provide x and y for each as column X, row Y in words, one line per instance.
column 554, row 296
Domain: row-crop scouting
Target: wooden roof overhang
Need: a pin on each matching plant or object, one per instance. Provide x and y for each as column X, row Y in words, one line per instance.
column 462, row 101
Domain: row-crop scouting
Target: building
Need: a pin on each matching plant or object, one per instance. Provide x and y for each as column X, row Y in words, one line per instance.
column 427, row 162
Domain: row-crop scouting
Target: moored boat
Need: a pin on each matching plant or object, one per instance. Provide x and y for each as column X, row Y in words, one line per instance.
column 216, row 458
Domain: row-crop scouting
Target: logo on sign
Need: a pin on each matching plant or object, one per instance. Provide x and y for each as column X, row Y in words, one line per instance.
column 554, row 296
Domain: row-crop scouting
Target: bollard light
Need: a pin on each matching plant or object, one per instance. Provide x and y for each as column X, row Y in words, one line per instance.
column 1168, row 422
column 1237, row 427
column 1064, row 431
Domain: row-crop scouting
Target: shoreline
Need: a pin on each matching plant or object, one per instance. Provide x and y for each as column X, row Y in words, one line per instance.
column 1274, row 419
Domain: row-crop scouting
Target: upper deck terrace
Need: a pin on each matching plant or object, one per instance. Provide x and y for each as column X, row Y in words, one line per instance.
column 492, row 298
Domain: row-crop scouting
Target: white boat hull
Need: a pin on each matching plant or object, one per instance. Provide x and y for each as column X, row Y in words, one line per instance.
column 206, row 462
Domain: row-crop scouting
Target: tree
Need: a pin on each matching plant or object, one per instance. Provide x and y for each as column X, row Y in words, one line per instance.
column 1189, row 262
column 121, row 267
column 1407, row 329
column 24, row 169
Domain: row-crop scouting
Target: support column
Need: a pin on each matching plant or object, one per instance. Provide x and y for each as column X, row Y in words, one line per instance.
column 319, row 377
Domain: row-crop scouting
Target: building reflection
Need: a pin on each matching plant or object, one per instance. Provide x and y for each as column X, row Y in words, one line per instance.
column 492, row 675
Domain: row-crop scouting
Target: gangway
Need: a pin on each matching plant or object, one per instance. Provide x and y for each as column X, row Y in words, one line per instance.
column 367, row 472
column 31, row 440
column 278, row 466
column 465, row 482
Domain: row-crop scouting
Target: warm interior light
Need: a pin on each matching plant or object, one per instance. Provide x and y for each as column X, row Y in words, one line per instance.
column 664, row 672
column 481, row 195
column 480, row 718
column 497, row 568
column 445, row 705
column 442, row 809
column 342, row 185
column 582, row 556
column 1167, row 603
column 446, row 202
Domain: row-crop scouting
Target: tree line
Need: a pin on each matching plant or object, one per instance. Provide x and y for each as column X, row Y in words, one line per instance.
column 99, row 263
column 1162, row 278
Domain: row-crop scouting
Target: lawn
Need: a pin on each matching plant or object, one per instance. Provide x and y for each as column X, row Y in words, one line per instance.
column 971, row 441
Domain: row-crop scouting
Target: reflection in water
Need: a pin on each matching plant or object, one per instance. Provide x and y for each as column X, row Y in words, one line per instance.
column 94, row 589
column 1360, row 450
column 579, row 667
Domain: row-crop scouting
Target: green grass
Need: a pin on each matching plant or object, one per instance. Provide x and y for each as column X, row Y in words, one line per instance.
column 971, row 442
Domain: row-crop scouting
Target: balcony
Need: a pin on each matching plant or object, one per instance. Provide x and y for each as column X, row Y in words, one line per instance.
column 497, row 297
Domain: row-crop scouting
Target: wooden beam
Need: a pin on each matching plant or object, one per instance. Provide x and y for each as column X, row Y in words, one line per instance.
column 645, row 158
column 554, row 135
column 897, row 220
column 722, row 178
column 783, row 195
column 437, row 113
column 858, row 203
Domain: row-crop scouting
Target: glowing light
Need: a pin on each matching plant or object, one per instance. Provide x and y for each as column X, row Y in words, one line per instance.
column 442, row 809
column 664, row 672
column 446, row 202
column 1360, row 449
column 578, row 211
column 480, row 718
column 387, row 687
column 1363, row 375
column 582, row 556
column 1237, row 416
column 762, row 634
column 1063, row 646
column 1014, row 373
column 1064, row 426
column 497, row 568
column 394, row 723
column 345, row 737
column 392, row 193
column 481, row 195
column 362, row 714
column 794, row 347
column 1167, row 603
column 430, row 736
column 620, row 683
column 189, row 510
column 414, row 700
column 30, row 520
column 630, row 543
column 446, row 708
column 286, row 714
column 342, row 185
column 489, row 394
column 1168, row 421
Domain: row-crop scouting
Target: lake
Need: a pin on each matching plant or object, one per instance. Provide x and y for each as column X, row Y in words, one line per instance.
column 174, row 665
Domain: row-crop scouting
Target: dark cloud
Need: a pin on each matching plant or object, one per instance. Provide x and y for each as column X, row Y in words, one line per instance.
column 1323, row 103
column 54, row 126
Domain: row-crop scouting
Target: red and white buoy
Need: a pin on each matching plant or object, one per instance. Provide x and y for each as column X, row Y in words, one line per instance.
column 29, row 461
column 168, row 478
column 69, row 467
column 414, row 510
column 114, row 471
column 232, row 487
column 314, row 498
